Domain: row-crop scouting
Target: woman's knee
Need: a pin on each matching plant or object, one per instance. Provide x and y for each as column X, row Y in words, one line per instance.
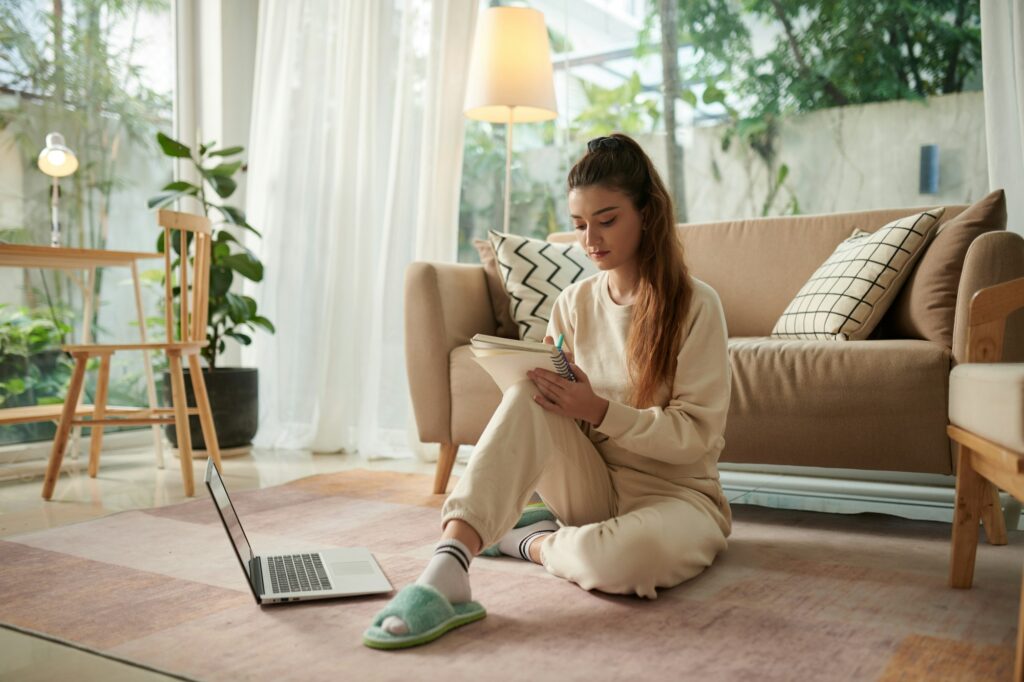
column 610, row 558
column 519, row 391
column 518, row 404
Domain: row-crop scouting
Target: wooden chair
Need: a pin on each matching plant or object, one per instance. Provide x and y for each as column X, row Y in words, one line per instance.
column 193, row 311
column 986, row 421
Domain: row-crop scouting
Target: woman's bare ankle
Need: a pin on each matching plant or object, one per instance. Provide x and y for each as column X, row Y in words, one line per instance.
column 535, row 549
column 464, row 533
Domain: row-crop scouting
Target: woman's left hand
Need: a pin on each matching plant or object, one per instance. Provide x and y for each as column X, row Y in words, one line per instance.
column 575, row 400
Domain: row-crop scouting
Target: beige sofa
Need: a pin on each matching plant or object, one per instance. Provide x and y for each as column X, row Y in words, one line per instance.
column 880, row 403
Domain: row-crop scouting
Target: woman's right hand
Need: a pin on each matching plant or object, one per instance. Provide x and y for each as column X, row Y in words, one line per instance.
column 568, row 353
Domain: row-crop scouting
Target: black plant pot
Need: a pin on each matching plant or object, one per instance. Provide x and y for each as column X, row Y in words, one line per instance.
column 234, row 402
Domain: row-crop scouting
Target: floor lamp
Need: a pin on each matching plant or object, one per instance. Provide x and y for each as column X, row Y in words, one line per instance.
column 510, row 75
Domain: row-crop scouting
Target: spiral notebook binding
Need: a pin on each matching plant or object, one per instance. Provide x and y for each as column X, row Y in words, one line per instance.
column 562, row 366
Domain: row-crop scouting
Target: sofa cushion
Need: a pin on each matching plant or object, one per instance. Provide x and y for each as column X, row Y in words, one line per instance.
column 858, row 405
column 926, row 305
column 849, row 293
column 534, row 272
column 987, row 399
column 500, row 302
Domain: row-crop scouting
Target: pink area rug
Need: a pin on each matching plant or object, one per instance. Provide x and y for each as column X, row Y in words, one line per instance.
column 798, row 596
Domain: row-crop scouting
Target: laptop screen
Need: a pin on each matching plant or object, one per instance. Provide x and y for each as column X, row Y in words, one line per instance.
column 229, row 517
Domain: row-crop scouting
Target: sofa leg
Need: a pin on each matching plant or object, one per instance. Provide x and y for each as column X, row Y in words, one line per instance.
column 445, row 462
column 992, row 517
column 971, row 494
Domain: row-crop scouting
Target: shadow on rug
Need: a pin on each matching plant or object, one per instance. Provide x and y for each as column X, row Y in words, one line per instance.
column 797, row 596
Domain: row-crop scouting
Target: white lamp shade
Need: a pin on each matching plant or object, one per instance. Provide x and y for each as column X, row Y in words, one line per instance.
column 511, row 68
column 56, row 160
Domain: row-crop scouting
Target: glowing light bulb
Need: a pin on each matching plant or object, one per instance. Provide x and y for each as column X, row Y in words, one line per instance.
column 56, row 157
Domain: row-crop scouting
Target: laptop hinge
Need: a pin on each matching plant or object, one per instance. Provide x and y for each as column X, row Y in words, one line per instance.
column 256, row 571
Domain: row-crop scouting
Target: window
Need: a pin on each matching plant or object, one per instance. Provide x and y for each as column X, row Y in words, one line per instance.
column 603, row 83
column 809, row 106
column 102, row 74
column 803, row 106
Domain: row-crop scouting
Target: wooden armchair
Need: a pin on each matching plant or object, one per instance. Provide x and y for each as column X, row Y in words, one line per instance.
column 192, row 315
column 986, row 414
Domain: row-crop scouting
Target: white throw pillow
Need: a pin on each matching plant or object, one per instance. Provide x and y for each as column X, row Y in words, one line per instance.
column 534, row 272
column 845, row 298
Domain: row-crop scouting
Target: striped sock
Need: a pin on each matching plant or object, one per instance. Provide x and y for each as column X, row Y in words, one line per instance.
column 516, row 542
column 448, row 573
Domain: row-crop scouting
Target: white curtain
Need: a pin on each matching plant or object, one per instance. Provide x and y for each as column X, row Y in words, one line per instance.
column 355, row 165
column 1002, row 62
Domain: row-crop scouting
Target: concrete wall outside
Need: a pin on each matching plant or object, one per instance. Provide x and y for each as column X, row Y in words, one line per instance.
column 849, row 158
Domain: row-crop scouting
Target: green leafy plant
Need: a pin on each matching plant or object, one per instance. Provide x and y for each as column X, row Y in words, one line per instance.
column 33, row 369
column 619, row 109
column 231, row 315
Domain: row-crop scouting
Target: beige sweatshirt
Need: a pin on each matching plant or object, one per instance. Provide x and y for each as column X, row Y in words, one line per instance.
column 682, row 437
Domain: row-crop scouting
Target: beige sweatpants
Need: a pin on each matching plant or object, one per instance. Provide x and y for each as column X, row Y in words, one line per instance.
column 623, row 531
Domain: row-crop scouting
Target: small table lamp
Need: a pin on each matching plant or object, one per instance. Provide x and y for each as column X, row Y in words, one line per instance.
column 510, row 76
column 57, row 161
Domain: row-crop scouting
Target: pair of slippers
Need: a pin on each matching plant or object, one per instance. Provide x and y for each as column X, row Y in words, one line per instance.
column 427, row 613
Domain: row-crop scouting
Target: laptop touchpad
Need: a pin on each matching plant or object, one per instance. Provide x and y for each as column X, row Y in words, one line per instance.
column 340, row 568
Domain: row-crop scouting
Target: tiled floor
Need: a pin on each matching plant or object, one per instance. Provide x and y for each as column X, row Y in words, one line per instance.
column 130, row 480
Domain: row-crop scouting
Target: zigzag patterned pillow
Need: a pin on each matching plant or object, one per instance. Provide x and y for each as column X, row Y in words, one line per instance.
column 534, row 272
column 845, row 298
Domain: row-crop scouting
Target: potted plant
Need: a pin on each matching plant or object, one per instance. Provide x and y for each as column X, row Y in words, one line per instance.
column 233, row 391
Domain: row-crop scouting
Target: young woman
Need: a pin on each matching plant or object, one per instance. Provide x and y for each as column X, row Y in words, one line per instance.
column 625, row 457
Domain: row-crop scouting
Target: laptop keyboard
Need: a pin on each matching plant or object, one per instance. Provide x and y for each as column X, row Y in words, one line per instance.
column 297, row 573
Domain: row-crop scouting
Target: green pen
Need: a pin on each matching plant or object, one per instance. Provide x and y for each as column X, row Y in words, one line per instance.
column 567, row 373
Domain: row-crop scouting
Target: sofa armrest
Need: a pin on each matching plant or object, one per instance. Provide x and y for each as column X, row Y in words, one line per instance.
column 994, row 257
column 445, row 305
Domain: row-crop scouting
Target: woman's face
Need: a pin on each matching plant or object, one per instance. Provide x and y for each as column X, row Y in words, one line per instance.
column 607, row 225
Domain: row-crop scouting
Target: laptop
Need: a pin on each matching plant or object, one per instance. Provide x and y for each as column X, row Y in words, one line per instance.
column 296, row 577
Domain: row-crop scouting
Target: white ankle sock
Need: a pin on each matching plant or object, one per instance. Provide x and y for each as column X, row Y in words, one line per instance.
column 448, row 573
column 516, row 542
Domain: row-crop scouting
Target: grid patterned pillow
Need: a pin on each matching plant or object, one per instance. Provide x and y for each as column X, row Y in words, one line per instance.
column 534, row 272
column 845, row 298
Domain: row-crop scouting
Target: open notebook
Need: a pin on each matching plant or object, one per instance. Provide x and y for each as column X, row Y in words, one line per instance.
column 508, row 360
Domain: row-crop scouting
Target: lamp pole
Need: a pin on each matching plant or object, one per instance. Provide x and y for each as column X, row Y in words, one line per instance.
column 508, row 168
column 510, row 77
column 54, row 214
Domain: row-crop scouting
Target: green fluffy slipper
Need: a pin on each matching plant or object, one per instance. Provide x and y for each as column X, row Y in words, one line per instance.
column 532, row 514
column 427, row 613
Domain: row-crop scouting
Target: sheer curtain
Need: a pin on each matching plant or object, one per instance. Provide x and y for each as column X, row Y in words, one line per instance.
column 1002, row 63
column 355, row 163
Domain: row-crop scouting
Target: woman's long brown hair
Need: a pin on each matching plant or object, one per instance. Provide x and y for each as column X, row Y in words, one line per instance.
column 663, row 290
